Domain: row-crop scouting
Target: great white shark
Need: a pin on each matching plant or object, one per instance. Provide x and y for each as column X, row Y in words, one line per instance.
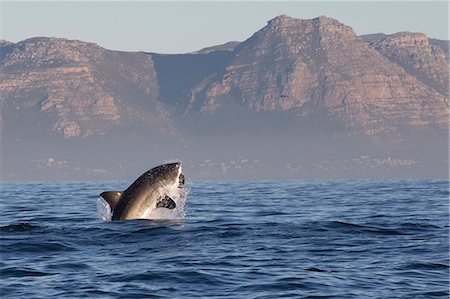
column 150, row 191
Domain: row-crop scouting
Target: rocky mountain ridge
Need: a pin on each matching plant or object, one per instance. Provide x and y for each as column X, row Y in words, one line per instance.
column 296, row 79
column 291, row 64
column 321, row 64
column 418, row 57
column 81, row 88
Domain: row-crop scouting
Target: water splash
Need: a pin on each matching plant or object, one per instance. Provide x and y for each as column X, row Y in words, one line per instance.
column 179, row 196
column 103, row 209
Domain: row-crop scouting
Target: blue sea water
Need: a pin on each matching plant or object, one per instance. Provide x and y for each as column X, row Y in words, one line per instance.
column 267, row 239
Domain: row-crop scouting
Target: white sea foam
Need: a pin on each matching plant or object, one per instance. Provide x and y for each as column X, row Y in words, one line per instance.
column 179, row 197
column 103, row 209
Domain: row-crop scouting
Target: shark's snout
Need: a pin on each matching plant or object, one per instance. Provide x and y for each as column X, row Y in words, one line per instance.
column 173, row 166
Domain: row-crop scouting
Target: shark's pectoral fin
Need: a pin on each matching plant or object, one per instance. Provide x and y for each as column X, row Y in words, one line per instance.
column 112, row 198
column 166, row 202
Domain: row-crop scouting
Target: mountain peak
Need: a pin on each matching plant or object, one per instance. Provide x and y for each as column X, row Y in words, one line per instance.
column 44, row 40
column 324, row 19
column 4, row 42
column 322, row 25
column 329, row 26
column 280, row 19
column 408, row 39
column 285, row 19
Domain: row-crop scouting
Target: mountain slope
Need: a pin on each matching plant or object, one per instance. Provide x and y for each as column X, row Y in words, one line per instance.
column 320, row 64
column 418, row 56
column 76, row 88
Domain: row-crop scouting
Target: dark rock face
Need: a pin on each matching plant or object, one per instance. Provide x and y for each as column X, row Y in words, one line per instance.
column 80, row 88
column 418, row 57
column 294, row 79
column 320, row 64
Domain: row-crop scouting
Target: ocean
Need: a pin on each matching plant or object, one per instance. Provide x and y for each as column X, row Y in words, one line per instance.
column 238, row 239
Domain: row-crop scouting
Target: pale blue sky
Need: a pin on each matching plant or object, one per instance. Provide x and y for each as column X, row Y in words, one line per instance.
column 179, row 27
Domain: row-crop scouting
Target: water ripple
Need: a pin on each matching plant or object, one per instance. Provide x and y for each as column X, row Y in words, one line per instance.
column 338, row 239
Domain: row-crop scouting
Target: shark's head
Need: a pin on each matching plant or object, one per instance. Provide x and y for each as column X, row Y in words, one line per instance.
column 170, row 174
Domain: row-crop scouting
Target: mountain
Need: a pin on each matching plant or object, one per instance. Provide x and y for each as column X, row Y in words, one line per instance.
column 76, row 89
column 419, row 56
column 298, row 99
column 320, row 64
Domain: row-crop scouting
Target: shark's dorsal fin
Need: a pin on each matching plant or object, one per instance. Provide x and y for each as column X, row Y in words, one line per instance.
column 112, row 198
column 166, row 202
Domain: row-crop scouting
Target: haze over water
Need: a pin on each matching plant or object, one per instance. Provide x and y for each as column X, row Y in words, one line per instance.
column 266, row 239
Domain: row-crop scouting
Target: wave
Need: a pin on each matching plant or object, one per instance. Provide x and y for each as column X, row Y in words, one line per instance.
column 424, row 266
column 36, row 248
column 18, row 227
column 347, row 227
column 22, row 272
column 343, row 247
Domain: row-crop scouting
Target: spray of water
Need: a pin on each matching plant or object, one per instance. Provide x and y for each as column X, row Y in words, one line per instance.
column 103, row 209
column 178, row 195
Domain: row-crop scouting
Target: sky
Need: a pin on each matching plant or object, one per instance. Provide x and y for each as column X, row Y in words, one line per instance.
column 185, row 26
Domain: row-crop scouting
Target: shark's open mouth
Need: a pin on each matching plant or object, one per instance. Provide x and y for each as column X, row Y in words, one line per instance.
column 180, row 181
column 180, row 177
